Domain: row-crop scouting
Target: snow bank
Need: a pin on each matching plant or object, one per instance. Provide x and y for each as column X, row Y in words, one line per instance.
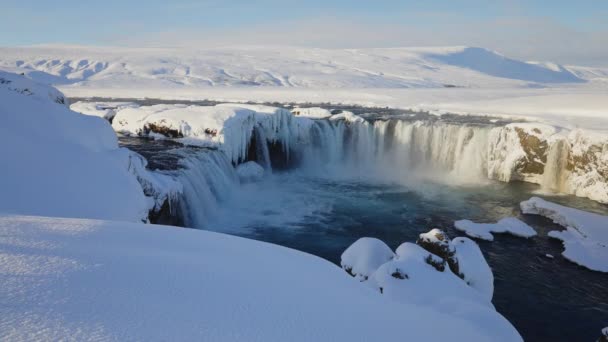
column 364, row 257
column 484, row 231
column 60, row 163
column 78, row 279
column 348, row 117
column 250, row 172
column 414, row 275
column 585, row 238
column 106, row 110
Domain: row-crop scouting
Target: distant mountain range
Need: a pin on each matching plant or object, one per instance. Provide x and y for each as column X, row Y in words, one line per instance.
column 437, row 67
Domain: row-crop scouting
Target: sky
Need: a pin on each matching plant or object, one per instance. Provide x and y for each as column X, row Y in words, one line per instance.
column 568, row 32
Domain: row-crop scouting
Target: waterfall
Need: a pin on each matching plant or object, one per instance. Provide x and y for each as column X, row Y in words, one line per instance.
column 383, row 151
column 262, row 153
column 555, row 173
column 208, row 178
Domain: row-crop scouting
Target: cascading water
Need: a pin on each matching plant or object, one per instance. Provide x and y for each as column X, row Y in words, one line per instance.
column 262, row 154
column 381, row 151
column 208, row 178
column 556, row 173
column 397, row 149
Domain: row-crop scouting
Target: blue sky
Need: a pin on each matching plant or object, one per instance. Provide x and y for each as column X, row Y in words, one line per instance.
column 563, row 31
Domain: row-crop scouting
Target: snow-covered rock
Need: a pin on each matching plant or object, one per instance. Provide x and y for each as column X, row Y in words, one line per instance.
column 604, row 337
column 585, row 238
column 364, row 257
column 574, row 162
column 61, row 163
column 438, row 242
column 75, row 279
column 484, row 231
column 250, row 172
column 473, row 266
column 412, row 276
column 518, row 152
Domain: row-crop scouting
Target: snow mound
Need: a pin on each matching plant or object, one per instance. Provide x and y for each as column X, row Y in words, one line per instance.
column 54, row 270
column 364, row 257
column 60, row 163
column 585, row 238
column 484, row 231
column 418, row 277
column 250, row 172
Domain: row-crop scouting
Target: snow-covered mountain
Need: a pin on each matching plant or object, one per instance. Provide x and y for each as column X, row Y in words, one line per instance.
column 437, row 67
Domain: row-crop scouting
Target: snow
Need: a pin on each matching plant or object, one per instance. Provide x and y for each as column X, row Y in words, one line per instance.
column 585, row 238
column 214, row 287
column 60, row 163
column 106, row 110
column 408, row 278
column 312, row 112
column 250, row 172
column 364, row 256
column 348, row 117
column 477, row 273
column 484, row 231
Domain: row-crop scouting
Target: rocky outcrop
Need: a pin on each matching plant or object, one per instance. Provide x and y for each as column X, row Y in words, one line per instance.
column 438, row 243
column 574, row 162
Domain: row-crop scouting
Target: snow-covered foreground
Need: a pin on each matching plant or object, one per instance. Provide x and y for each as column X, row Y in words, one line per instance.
column 76, row 279
column 585, row 238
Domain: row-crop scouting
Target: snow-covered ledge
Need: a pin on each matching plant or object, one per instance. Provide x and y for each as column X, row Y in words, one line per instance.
column 87, row 279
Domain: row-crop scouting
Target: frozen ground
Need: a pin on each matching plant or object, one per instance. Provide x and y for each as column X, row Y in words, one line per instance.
column 585, row 238
column 456, row 79
column 76, row 279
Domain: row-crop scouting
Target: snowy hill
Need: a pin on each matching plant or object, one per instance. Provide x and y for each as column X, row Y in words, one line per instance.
column 105, row 67
column 57, row 162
